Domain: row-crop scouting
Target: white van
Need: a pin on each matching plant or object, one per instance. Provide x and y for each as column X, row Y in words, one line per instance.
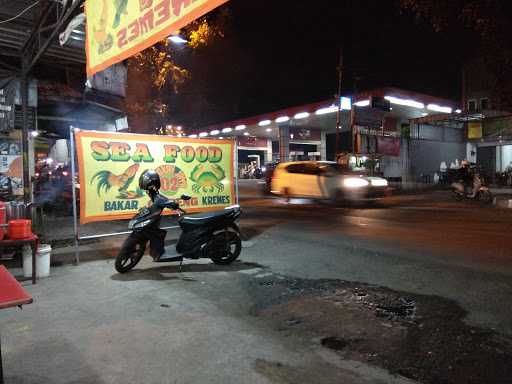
column 325, row 180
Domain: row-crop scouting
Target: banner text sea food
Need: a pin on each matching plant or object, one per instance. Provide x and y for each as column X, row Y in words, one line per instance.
column 119, row 29
column 111, row 164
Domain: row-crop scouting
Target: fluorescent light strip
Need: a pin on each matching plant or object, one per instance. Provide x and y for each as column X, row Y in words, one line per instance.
column 282, row 119
column 240, row 127
column 301, row 115
column 203, row 134
column 215, row 132
column 325, row 111
column 438, row 108
column 193, row 136
column 362, row 103
column 264, row 123
column 227, row 130
column 177, row 39
column 405, row 102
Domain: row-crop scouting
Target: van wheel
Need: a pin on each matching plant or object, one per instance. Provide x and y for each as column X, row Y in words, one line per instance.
column 337, row 197
column 287, row 193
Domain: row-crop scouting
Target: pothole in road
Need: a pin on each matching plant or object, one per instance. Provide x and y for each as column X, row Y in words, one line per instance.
column 420, row 337
column 333, row 342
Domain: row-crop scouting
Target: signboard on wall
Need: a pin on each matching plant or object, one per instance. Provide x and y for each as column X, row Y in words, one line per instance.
column 368, row 117
column 117, row 30
column 11, row 166
column 389, row 146
column 110, row 165
column 474, row 130
column 375, row 132
column 112, row 80
column 252, row 142
column 305, row 134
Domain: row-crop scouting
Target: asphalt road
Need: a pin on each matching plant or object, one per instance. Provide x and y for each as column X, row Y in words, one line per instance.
column 427, row 244
column 89, row 324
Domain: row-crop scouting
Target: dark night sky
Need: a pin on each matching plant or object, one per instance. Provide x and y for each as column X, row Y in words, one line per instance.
column 280, row 53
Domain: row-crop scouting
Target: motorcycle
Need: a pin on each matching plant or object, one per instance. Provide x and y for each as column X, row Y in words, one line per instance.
column 213, row 235
column 482, row 194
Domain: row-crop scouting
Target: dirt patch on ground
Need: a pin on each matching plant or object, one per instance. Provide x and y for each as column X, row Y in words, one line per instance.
column 420, row 337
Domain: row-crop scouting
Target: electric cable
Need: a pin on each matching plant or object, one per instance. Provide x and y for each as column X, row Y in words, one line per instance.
column 21, row 13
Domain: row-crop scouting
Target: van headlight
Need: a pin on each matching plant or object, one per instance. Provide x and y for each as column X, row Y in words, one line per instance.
column 379, row 182
column 355, row 182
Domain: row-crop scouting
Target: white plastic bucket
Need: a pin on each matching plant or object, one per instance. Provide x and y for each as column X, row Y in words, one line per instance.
column 42, row 260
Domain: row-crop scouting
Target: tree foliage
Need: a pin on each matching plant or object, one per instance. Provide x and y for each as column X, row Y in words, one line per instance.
column 161, row 70
column 491, row 21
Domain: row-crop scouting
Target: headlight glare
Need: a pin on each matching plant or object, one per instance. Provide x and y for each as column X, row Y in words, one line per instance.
column 355, row 182
column 379, row 182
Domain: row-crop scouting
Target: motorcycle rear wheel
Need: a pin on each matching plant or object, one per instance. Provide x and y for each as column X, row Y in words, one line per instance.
column 458, row 196
column 130, row 254
column 224, row 247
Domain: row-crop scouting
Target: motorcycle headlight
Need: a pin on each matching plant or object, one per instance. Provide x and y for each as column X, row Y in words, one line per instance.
column 142, row 224
column 355, row 182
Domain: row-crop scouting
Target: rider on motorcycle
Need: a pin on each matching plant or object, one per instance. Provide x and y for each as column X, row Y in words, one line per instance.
column 469, row 178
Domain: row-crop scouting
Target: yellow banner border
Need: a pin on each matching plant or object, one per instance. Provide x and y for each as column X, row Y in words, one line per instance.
column 130, row 136
column 151, row 40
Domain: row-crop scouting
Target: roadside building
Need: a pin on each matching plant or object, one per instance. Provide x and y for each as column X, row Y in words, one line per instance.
column 378, row 129
column 489, row 124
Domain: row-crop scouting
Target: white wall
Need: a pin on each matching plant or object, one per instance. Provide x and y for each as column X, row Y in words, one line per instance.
column 503, row 157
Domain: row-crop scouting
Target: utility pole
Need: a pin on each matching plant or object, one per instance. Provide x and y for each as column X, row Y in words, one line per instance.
column 27, row 188
column 338, row 113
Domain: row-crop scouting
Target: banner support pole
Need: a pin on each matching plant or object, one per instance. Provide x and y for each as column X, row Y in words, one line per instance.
column 235, row 168
column 73, row 186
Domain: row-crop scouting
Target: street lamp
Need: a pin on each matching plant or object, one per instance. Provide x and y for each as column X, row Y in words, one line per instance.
column 177, row 39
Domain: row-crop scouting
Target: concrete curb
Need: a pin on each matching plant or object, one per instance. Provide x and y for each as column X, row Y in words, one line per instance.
column 502, row 203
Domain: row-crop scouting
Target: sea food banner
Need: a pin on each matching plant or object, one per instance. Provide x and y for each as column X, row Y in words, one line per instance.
column 110, row 165
column 118, row 29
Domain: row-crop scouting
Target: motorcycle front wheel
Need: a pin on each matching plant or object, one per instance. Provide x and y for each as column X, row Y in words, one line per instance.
column 486, row 197
column 130, row 254
column 224, row 247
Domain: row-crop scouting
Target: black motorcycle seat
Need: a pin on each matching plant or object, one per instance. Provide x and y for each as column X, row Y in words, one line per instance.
column 204, row 218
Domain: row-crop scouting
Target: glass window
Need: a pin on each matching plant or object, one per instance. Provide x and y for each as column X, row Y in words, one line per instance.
column 472, row 105
column 484, row 103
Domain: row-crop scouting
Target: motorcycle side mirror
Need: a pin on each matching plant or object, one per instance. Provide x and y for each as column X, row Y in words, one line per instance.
column 185, row 197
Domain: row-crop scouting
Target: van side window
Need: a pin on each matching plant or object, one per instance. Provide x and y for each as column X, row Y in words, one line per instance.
column 311, row 169
column 295, row 168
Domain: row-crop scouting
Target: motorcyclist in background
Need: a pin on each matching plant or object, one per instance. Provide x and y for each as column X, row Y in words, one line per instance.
column 468, row 176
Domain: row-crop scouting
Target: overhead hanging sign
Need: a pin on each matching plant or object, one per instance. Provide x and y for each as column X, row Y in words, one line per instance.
column 110, row 165
column 119, row 29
